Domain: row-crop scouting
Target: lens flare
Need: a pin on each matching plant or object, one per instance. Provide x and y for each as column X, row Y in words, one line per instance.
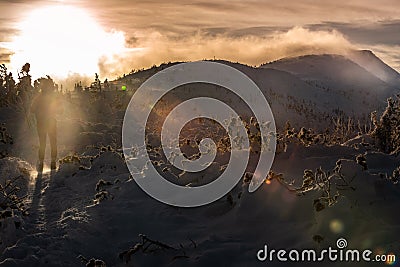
column 391, row 259
column 336, row 226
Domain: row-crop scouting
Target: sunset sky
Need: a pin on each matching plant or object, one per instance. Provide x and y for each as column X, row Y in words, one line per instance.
column 65, row 37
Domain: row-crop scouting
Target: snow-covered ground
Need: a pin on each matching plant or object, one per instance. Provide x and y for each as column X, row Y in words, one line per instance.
column 68, row 219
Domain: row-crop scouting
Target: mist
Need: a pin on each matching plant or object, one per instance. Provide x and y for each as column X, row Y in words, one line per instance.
column 156, row 48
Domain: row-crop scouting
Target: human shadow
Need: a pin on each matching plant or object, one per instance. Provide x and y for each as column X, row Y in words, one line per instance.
column 37, row 208
column 36, row 192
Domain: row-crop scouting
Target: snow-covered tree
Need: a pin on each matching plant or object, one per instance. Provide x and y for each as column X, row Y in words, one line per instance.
column 387, row 129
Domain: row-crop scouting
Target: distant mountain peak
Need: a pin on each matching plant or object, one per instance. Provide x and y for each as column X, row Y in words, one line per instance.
column 361, row 67
column 365, row 51
column 373, row 64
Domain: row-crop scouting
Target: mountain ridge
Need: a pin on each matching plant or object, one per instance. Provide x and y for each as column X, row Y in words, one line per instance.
column 310, row 90
column 365, row 59
column 372, row 63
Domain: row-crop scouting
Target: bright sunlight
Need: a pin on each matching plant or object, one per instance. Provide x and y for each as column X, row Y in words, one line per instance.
column 62, row 40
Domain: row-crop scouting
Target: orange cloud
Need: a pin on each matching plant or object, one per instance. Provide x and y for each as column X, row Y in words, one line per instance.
column 156, row 48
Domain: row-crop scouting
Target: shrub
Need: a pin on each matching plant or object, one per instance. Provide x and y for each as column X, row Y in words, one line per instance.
column 11, row 199
column 387, row 129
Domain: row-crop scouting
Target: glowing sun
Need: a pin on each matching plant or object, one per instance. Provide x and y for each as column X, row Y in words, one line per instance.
column 62, row 40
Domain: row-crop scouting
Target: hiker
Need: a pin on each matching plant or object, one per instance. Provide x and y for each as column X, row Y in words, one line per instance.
column 45, row 106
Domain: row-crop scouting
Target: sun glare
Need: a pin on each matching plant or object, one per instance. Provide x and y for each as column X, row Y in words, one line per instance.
column 62, row 40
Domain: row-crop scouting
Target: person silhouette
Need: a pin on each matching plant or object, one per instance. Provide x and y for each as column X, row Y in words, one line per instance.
column 45, row 106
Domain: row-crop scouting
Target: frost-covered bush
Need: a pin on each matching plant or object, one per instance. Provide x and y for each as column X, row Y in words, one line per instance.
column 12, row 208
column 328, row 182
column 10, row 198
column 14, row 179
column 387, row 129
column 6, row 141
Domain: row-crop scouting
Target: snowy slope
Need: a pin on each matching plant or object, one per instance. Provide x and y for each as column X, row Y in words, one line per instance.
column 334, row 71
column 227, row 232
column 342, row 81
column 369, row 61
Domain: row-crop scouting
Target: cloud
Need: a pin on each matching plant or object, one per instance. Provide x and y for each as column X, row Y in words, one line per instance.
column 253, row 50
column 183, row 17
column 380, row 37
column 251, row 32
column 364, row 32
column 242, row 30
column 5, row 55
